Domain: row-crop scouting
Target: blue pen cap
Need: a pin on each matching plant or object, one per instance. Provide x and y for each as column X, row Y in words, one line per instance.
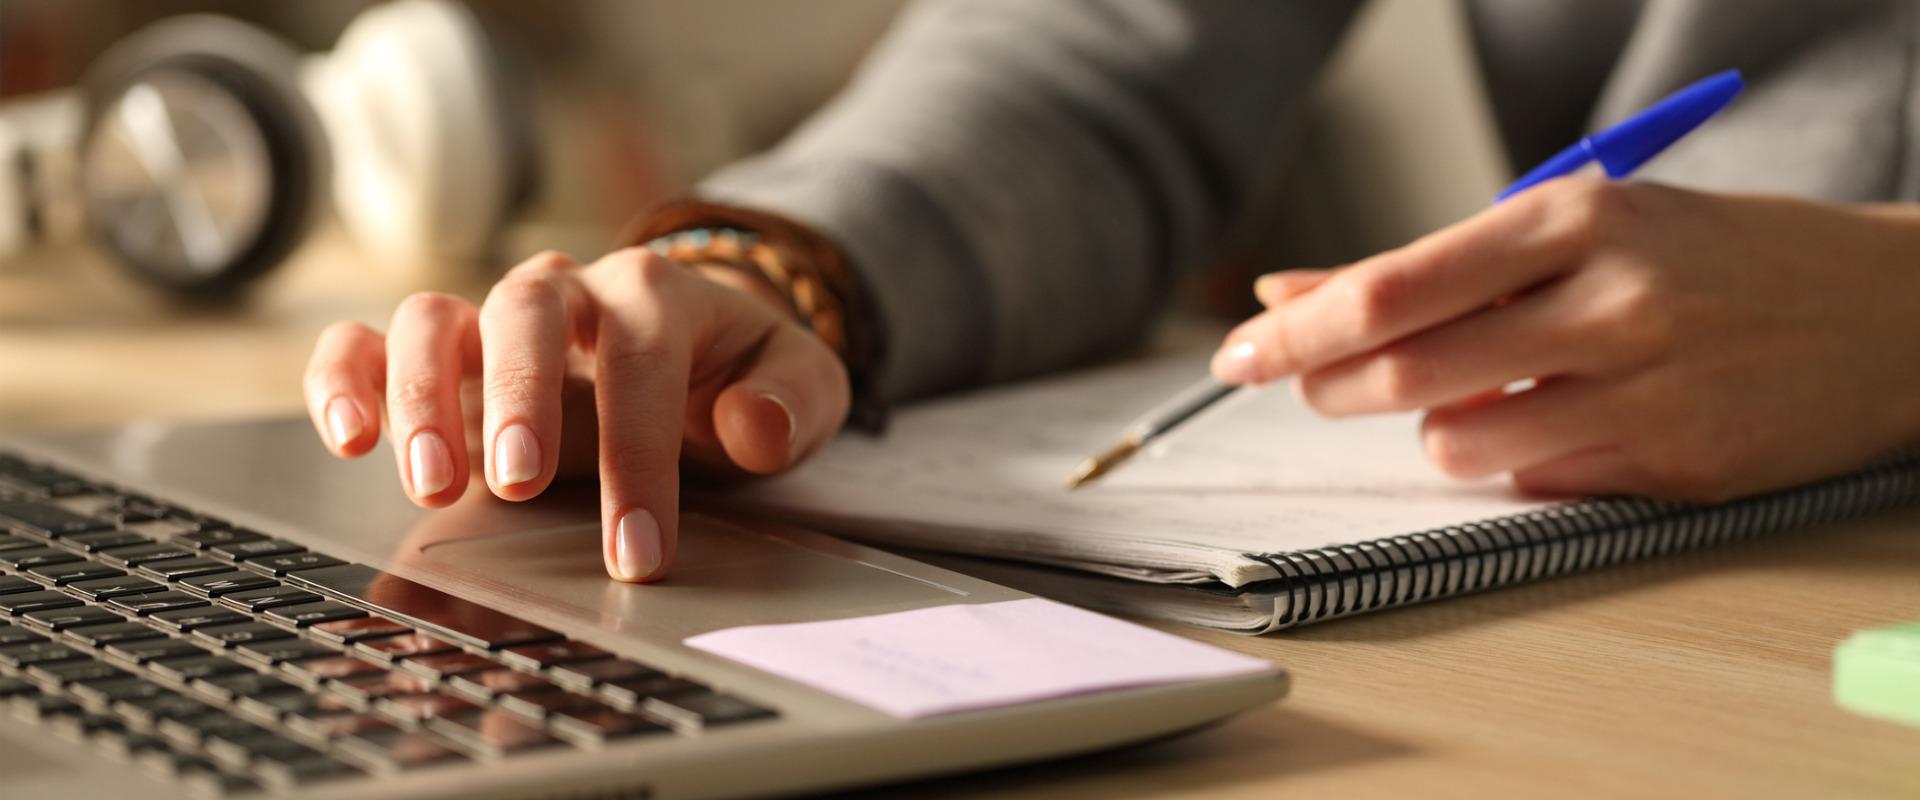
column 1623, row 148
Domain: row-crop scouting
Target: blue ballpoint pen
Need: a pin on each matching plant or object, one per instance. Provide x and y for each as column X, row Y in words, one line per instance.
column 1618, row 150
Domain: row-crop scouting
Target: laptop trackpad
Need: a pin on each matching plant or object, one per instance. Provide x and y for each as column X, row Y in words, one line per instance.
column 725, row 574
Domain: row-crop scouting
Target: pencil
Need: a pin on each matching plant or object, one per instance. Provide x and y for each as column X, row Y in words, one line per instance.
column 1184, row 406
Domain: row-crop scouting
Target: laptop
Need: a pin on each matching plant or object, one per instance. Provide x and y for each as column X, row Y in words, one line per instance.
column 225, row 609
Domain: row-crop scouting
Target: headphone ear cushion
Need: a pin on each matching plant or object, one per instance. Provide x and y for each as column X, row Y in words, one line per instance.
column 423, row 170
column 259, row 72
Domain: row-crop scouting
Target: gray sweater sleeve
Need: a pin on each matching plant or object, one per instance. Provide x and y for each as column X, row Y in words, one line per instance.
column 1016, row 181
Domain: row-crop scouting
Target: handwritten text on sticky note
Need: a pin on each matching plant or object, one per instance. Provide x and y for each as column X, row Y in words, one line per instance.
column 952, row 658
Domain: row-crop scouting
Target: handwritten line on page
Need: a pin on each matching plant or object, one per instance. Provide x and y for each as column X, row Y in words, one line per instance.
column 945, row 659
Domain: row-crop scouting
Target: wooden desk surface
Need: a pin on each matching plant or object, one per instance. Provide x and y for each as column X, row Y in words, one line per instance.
column 1706, row 674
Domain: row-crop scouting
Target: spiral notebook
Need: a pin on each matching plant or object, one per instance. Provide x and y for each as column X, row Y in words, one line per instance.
column 1256, row 517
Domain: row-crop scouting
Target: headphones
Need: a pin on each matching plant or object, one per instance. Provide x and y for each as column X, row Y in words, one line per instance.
column 200, row 150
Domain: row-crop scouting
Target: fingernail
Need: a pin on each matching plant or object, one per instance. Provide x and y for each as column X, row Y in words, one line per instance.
column 636, row 546
column 1266, row 288
column 343, row 421
column 1237, row 364
column 432, row 465
column 793, row 423
column 516, row 455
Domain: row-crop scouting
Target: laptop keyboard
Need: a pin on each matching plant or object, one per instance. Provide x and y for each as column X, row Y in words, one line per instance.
column 234, row 660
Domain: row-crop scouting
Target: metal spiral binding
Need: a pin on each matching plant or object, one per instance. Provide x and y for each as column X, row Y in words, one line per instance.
column 1336, row 581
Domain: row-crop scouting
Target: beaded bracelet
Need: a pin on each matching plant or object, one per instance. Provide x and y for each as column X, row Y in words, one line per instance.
column 804, row 266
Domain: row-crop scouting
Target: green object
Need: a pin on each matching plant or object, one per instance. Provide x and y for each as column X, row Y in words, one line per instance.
column 1876, row 672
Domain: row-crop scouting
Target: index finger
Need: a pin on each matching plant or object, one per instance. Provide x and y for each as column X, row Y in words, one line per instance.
column 1444, row 276
column 642, row 367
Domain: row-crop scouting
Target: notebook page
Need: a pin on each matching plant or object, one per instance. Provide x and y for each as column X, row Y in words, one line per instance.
column 983, row 474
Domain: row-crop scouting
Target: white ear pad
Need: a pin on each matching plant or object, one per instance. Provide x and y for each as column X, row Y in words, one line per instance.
column 421, row 165
column 15, row 195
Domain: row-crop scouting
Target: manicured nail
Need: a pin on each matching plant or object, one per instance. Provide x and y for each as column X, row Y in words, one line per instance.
column 343, row 421
column 1237, row 364
column 1266, row 288
column 516, row 455
column 636, row 546
column 793, row 423
column 432, row 464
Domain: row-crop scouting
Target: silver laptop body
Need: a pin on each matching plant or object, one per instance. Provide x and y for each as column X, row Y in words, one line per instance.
column 536, row 564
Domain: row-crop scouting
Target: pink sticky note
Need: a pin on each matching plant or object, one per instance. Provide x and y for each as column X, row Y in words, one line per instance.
column 940, row 660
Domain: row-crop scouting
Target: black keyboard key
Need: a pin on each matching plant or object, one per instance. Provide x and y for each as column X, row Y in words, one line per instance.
column 237, row 753
column 45, row 707
column 104, row 693
column 11, row 542
column 46, row 520
column 60, row 619
column 362, row 690
column 103, row 635
column 486, row 684
column 447, row 665
column 61, row 673
column 187, row 668
column 451, row 617
column 302, row 772
column 631, row 693
column 306, row 614
column 538, row 705
column 274, row 705
column 392, row 749
column 240, row 633
column 21, row 656
column 103, row 589
column 30, row 557
column 39, row 480
column 390, row 649
column 12, row 686
column 23, row 602
column 131, row 510
column 596, row 725
column 413, row 708
column 12, row 634
column 156, row 602
column 703, row 709
column 540, row 656
column 243, row 684
column 192, row 730
column 141, row 651
column 216, row 584
column 332, row 667
column 328, row 722
column 204, row 539
column 283, row 565
column 101, row 540
column 89, row 724
column 173, row 569
column 257, row 548
column 149, row 710
column 269, row 597
column 14, row 584
column 587, row 674
column 490, row 732
column 187, row 619
column 347, row 631
column 283, row 650
column 63, row 574
column 133, row 555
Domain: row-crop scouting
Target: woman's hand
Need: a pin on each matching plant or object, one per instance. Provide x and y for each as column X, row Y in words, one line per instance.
column 630, row 366
column 1681, row 344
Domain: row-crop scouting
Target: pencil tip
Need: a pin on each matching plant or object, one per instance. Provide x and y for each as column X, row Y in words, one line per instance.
column 1102, row 464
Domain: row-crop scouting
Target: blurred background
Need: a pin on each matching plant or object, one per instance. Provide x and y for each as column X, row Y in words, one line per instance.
column 617, row 104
